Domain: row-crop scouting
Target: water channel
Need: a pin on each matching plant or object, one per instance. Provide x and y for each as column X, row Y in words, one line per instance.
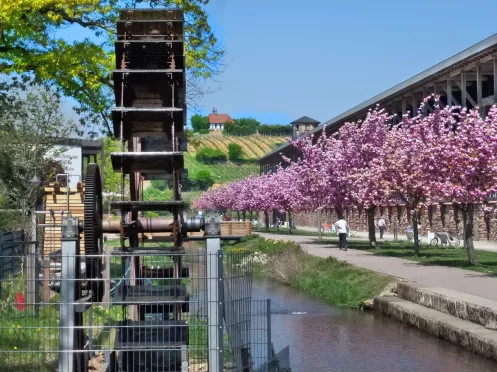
column 324, row 338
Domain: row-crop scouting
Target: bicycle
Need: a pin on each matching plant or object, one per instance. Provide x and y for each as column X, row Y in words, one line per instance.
column 444, row 238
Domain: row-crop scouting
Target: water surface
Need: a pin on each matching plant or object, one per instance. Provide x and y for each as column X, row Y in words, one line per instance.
column 324, row 338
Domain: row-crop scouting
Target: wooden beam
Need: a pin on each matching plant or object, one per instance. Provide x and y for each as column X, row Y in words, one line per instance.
column 414, row 105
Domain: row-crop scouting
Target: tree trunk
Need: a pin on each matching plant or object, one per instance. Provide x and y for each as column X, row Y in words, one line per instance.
column 238, row 215
column 415, row 233
column 371, row 227
column 243, row 215
column 266, row 220
column 320, row 224
column 290, row 222
column 467, row 218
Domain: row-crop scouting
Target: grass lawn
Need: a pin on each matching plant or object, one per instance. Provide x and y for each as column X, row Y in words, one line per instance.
column 453, row 257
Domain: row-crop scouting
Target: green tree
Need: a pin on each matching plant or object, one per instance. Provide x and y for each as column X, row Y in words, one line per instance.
column 242, row 127
column 203, row 179
column 33, row 47
column 30, row 128
column 247, row 122
column 235, row 152
column 199, row 123
column 112, row 179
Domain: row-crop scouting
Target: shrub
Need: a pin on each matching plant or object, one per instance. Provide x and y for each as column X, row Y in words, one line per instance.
column 203, row 179
column 235, row 151
column 203, row 131
column 209, row 155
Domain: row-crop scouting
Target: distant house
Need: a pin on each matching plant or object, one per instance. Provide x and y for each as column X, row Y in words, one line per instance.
column 217, row 121
column 303, row 125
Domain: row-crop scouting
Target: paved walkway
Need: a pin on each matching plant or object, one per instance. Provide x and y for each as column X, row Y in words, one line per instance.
column 457, row 279
column 483, row 245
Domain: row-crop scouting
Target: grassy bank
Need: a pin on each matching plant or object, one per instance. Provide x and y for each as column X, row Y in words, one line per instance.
column 429, row 256
column 333, row 281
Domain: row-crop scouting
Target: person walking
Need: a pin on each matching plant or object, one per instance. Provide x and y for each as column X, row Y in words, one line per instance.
column 341, row 226
column 382, row 226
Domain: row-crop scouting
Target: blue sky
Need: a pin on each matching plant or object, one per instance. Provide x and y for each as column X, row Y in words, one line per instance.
column 286, row 59
column 321, row 57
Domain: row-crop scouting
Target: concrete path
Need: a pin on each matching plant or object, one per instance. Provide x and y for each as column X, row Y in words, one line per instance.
column 483, row 245
column 457, row 279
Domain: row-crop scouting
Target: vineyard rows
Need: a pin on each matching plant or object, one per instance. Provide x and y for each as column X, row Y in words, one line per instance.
column 254, row 146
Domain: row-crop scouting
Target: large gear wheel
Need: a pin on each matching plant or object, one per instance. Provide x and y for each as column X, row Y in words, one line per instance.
column 93, row 217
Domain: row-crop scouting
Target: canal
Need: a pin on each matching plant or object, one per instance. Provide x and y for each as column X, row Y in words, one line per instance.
column 325, row 338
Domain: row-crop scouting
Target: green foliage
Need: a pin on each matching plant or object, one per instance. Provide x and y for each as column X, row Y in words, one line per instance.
column 242, row 127
column 203, row 131
column 151, row 193
column 247, row 122
column 275, row 130
column 112, row 179
column 203, row 179
column 34, row 47
column 159, row 184
column 235, row 151
column 209, row 155
column 199, row 123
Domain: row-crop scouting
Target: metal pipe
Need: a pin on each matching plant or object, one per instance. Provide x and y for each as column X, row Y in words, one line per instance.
column 143, row 225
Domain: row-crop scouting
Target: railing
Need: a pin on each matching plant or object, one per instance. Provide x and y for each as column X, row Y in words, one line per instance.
column 115, row 336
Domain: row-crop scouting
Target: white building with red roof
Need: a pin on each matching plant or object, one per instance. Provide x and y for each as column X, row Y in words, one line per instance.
column 217, row 121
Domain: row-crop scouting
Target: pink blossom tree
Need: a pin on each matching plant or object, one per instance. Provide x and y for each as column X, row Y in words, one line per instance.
column 467, row 157
column 360, row 145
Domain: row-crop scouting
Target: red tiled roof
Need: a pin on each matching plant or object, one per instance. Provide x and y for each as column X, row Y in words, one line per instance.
column 220, row 119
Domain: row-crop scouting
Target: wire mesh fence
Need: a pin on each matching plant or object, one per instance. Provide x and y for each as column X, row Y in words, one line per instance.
column 156, row 313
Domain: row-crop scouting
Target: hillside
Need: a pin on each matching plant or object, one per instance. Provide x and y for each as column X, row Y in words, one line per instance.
column 254, row 146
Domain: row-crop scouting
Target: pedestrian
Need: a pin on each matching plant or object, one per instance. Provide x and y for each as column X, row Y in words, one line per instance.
column 341, row 226
column 382, row 226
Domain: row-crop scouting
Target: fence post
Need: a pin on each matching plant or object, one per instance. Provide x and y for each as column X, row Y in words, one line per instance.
column 220, row 317
column 268, row 320
column 213, row 313
column 68, row 353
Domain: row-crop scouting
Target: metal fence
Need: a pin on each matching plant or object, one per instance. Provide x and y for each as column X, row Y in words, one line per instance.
column 150, row 319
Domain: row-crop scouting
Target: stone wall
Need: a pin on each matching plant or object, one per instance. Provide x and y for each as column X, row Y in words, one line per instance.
column 434, row 218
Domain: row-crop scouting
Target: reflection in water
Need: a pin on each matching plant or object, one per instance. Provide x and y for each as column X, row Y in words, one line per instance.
column 325, row 338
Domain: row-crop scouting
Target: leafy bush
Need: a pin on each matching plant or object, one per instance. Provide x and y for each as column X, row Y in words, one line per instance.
column 203, row 180
column 209, row 155
column 235, row 151
column 203, row 131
